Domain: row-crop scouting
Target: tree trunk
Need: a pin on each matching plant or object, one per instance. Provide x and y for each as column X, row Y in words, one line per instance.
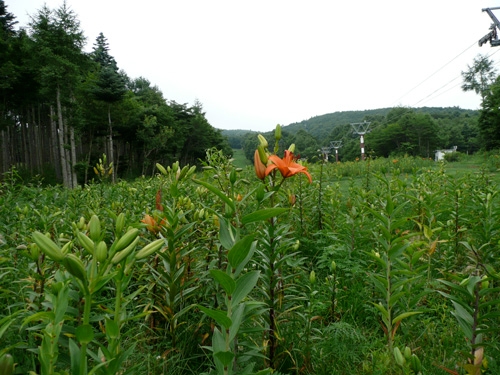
column 111, row 157
column 54, row 155
column 73, row 156
column 24, row 141
column 62, row 151
column 37, row 141
column 4, row 142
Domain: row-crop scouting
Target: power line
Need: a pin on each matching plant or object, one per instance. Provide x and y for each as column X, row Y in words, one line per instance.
column 446, row 84
column 433, row 74
column 430, row 96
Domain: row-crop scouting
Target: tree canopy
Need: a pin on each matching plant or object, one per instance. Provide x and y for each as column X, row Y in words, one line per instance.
column 62, row 108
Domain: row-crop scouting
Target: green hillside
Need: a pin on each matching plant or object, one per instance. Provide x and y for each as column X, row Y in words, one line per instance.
column 399, row 130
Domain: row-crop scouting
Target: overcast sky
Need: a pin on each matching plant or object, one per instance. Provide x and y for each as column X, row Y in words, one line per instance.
column 254, row 64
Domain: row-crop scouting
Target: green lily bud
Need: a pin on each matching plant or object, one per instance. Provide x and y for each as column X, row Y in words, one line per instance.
column 95, row 228
column 407, row 353
column 334, row 266
column 398, row 356
column 232, row 176
column 485, row 283
column 292, row 148
column 262, row 154
column 277, row 132
column 6, row 364
column 263, row 141
column 161, row 168
column 312, row 277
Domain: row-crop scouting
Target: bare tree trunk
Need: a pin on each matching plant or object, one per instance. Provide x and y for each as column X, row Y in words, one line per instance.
column 24, row 141
column 111, row 157
column 62, row 152
column 67, row 152
column 37, row 156
column 4, row 142
column 54, row 145
column 88, row 157
column 73, row 156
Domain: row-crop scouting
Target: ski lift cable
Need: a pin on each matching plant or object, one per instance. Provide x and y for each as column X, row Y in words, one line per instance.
column 433, row 74
column 427, row 98
column 430, row 97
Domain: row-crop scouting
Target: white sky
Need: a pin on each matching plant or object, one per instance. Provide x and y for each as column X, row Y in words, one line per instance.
column 254, row 64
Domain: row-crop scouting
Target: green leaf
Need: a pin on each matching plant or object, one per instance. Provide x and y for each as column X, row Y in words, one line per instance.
column 225, row 281
column 218, row 341
column 395, row 297
column 405, row 315
column 389, row 206
column 227, row 234
column 471, row 284
column 237, row 317
column 219, row 316
column 239, row 252
column 217, row 192
column 84, row 334
column 382, row 309
column 4, row 327
column 244, row 286
column 112, row 329
column 396, row 250
column 264, row 214
column 74, row 352
column 225, row 357
column 464, row 319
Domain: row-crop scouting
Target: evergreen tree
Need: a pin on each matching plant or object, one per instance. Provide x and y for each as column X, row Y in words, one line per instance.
column 61, row 63
column 109, row 88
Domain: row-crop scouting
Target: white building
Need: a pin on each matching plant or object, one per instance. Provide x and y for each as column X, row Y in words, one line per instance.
column 439, row 155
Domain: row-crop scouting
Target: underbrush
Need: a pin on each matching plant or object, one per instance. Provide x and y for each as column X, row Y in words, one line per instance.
column 376, row 267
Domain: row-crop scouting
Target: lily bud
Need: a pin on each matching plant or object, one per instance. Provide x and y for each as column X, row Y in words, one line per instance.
column 232, row 176
column 277, row 132
column 262, row 155
column 260, row 168
column 312, row 277
column 292, row 148
column 161, row 168
column 263, row 141
column 485, row 283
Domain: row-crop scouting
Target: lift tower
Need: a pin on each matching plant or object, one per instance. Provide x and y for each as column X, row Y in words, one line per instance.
column 492, row 36
column 361, row 128
column 325, row 151
column 336, row 145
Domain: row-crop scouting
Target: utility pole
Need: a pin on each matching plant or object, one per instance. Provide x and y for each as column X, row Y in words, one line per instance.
column 336, row 145
column 361, row 128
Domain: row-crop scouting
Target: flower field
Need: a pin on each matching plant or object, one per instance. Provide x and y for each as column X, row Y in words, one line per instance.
column 385, row 266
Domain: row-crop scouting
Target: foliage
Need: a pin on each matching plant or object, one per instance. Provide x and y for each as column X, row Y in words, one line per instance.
column 57, row 97
column 219, row 271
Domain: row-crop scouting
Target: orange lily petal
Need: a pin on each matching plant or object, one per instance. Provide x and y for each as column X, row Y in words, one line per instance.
column 260, row 168
column 287, row 166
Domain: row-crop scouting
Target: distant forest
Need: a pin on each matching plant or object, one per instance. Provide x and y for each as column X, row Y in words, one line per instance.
column 391, row 132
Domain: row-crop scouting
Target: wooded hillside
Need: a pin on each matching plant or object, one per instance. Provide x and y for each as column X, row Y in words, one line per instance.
column 391, row 131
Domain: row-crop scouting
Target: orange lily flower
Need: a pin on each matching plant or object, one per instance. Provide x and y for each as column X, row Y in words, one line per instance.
column 260, row 168
column 287, row 166
column 152, row 225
